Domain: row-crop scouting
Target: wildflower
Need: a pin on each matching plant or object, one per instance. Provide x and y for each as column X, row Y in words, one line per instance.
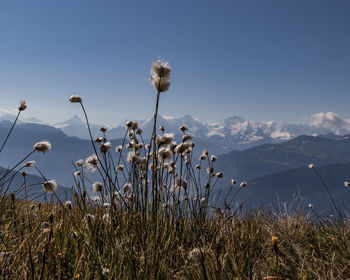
column 140, row 146
column 160, row 84
column 347, row 184
column 90, row 218
column 165, row 205
column 181, row 148
column 42, row 146
column 77, row 173
column 131, row 156
column 164, row 139
column 103, row 129
column 243, row 185
column 202, row 157
column 29, row 163
column 183, row 128
column 180, row 182
column 50, row 186
column 79, row 162
column 186, row 137
column 205, row 152
column 68, row 204
column 75, row 98
column 105, row 271
column 97, row 187
column 105, row 147
column 210, row 170
column 92, row 162
column 44, row 226
column 311, row 165
column 219, row 175
column 22, row 106
column 99, row 139
column 160, row 69
column 95, row 199
column 106, row 217
column 233, row 182
column 164, row 154
column 128, row 124
column 119, row 167
column 274, row 240
column 195, row 254
column 127, row 187
column 311, row 206
column 119, row 148
column 134, row 125
column 213, row 158
column 198, row 167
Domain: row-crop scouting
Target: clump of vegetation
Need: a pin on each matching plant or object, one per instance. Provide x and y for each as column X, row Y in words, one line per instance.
column 151, row 215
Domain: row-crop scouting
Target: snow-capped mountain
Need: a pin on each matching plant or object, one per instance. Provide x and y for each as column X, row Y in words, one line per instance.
column 232, row 133
column 77, row 128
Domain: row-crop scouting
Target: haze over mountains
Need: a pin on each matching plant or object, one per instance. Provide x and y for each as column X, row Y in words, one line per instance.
column 273, row 157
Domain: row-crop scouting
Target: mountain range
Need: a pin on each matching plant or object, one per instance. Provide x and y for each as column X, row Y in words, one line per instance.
column 278, row 166
column 234, row 133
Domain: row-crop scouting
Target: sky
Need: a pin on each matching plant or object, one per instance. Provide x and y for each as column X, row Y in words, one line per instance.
column 264, row 60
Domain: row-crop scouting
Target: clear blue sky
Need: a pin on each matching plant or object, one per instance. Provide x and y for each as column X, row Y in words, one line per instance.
column 263, row 59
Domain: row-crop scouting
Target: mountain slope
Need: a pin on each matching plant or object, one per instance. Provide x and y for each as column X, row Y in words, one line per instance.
column 268, row 159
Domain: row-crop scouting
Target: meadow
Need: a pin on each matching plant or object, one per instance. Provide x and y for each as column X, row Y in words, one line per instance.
column 152, row 216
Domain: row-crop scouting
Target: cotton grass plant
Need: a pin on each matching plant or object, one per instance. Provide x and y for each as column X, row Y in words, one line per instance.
column 151, row 215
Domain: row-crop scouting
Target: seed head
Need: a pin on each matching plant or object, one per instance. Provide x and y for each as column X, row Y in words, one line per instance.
column 127, row 187
column 79, row 162
column 160, row 69
column 186, row 137
column 183, row 128
column 97, row 187
column 347, row 184
column 103, row 129
column 274, row 240
column 75, row 98
column 243, row 185
column 22, row 106
column 105, row 147
column 42, row 146
column 119, row 148
column 68, row 204
column 311, row 165
column 77, row 173
column 119, row 167
column 233, row 182
column 50, row 186
column 29, row 163
column 92, row 162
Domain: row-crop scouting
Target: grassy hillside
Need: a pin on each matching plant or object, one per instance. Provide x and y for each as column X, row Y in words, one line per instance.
column 94, row 242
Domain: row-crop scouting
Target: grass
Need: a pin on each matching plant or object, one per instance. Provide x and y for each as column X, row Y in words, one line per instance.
column 152, row 216
column 127, row 246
